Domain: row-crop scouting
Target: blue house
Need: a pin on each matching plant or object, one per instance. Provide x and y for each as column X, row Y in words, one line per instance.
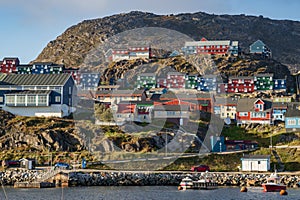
column 279, row 110
column 279, row 84
column 207, row 83
column 292, row 117
column 37, row 94
column 258, row 47
column 217, row 144
column 89, row 80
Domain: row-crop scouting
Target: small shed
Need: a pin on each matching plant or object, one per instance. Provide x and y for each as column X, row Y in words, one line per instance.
column 256, row 163
column 27, row 163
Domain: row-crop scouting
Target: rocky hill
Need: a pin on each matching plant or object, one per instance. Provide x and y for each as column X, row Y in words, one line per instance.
column 282, row 36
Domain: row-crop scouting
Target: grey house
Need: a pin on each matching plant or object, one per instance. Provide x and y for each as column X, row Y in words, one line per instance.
column 258, row 47
column 37, row 94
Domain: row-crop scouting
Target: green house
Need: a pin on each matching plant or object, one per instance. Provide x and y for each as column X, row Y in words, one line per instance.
column 263, row 82
column 24, row 69
column 146, row 81
column 191, row 81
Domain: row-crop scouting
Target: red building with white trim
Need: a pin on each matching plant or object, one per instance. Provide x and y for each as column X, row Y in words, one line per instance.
column 254, row 111
column 9, row 65
column 240, row 84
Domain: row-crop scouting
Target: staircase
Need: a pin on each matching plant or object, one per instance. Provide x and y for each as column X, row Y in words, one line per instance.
column 48, row 175
column 281, row 165
column 40, row 182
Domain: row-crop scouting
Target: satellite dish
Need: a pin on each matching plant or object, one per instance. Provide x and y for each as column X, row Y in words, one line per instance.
column 227, row 121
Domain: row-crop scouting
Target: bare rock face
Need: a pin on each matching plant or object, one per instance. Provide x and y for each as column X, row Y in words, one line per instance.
column 38, row 133
column 282, row 36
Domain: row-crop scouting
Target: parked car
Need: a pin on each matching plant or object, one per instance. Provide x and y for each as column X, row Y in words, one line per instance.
column 200, row 168
column 62, row 165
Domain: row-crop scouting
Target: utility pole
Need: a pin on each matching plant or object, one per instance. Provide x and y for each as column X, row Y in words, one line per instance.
column 166, row 143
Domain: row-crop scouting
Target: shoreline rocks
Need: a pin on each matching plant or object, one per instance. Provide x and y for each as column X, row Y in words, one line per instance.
column 171, row 179
column 118, row 178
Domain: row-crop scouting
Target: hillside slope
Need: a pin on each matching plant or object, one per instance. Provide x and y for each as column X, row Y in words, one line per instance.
column 282, row 36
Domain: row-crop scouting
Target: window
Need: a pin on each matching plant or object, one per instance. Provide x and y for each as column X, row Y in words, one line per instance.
column 42, row 100
column 57, row 99
column 10, row 99
column 70, row 90
column 31, row 99
column 1, row 99
column 243, row 114
column 291, row 122
column 20, row 99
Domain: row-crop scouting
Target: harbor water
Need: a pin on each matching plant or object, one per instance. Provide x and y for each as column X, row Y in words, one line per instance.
column 141, row 192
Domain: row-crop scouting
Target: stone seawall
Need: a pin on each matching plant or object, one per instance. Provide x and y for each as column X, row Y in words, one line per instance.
column 116, row 178
column 168, row 178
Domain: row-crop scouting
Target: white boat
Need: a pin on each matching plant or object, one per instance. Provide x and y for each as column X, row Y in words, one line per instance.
column 202, row 184
column 186, row 183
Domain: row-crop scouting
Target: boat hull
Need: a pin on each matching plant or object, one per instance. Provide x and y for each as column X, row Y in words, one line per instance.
column 273, row 188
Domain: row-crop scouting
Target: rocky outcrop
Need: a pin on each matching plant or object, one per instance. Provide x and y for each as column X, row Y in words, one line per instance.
column 32, row 133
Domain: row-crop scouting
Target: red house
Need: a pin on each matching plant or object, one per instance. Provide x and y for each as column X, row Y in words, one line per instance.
column 9, row 65
column 240, row 84
column 197, row 101
column 175, row 80
column 254, row 111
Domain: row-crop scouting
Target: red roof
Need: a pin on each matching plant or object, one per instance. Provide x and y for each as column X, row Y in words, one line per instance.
column 126, row 108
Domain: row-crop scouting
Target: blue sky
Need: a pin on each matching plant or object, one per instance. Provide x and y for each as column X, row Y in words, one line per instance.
column 27, row 26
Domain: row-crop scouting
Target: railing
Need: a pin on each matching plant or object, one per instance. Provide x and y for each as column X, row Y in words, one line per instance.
column 48, row 174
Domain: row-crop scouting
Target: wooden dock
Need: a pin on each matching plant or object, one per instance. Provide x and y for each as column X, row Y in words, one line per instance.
column 34, row 185
column 204, row 185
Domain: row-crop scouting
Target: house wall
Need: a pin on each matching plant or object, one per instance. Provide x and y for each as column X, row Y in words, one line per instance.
column 228, row 111
column 69, row 91
column 240, row 86
column 49, row 111
column 279, row 114
column 261, row 165
column 292, row 122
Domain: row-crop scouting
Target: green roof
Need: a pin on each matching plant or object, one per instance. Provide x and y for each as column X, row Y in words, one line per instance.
column 35, row 79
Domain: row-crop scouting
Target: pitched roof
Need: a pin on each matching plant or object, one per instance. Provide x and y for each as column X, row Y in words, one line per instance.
column 35, row 79
column 257, row 42
column 147, row 74
column 264, row 75
column 208, row 42
column 248, row 156
column 226, row 101
column 280, row 105
column 44, row 63
column 240, row 77
column 247, row 104
column 30, row 92
column 186, row 95
column 11, row 58
column 109, row 93
column 171, row 108
column 126, row 108
column 293, row 110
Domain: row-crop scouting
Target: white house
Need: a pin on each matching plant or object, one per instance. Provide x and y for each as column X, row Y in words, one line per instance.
column 257, row 163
